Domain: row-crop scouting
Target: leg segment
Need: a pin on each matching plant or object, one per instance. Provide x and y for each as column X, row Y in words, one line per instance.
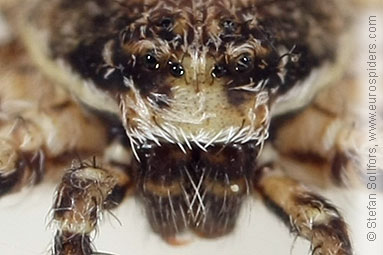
column 83, row 195
column 39, row 123
column 307, row 214
column 322, row 144
column 18, row 169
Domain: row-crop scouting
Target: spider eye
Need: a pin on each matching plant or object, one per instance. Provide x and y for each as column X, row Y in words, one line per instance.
column 218, row 71
column 229, row 26
column 151, row 62
column 176, row 69
column 166, row 23
column 243, row 64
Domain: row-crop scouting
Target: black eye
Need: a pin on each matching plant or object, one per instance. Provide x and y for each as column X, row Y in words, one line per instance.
column 151, row 62
column 218, row 71
column 229, row 26
column 243, row 64
column 176, row 69
column 166, row 23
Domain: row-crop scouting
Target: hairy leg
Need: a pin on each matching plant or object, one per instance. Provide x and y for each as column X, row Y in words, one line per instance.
column 306, row 214
column 39, row 123
column 321, row 144
column 41, row 128
column 82, row 197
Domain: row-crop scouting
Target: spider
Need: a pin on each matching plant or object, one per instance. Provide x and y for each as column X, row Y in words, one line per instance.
column 191, row 106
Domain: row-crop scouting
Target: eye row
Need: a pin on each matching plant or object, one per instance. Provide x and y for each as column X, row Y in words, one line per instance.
column 151, row 63
column 228, row 26
column 243, row 64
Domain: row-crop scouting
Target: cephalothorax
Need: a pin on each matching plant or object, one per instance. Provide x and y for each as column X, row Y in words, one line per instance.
column 177, row 100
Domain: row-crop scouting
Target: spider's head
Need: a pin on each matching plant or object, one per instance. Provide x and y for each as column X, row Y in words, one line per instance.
column 192, row 82
column 182, row 74
column 195, row 94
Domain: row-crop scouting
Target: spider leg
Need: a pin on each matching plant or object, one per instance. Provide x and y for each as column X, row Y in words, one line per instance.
column 324, row 142
column 306, row 214
column 40, row 125
column 18, row 169
column 84, row 194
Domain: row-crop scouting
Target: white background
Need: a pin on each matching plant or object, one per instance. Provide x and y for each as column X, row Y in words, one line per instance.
column 24, row 219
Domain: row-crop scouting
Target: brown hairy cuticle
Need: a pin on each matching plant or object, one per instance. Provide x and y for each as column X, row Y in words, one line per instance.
column 192, row 106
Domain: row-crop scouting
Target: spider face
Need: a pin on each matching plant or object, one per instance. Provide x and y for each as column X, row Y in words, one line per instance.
column 181, row 72
column 179, row 96
column 178, row 78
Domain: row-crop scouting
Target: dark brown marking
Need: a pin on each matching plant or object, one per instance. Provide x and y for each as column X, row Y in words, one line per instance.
column 72, row 244
column 315, row 201
column 278, row 211
column 162, row 165
column 236, row 98
column 161, row 96
column 167, row 215
column 338, row 166
column 220, row 216
column 280, row 121
column 73, row 205
column 87, row 60
column 29, row 168
column 62, row 106
column 36, row 164
column 9, row 182
column 116, row 196
column 199, row 190
column 337, row 230
column 323, row 110
column 308, row 157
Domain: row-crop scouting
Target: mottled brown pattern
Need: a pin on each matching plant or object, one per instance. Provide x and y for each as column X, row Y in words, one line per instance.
column 306, row 214
column 339, row 163
column 199, row 190
column 79, row 31
column 179, row 97
column 85, row 192
column 332, row 231
column 72, row 244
